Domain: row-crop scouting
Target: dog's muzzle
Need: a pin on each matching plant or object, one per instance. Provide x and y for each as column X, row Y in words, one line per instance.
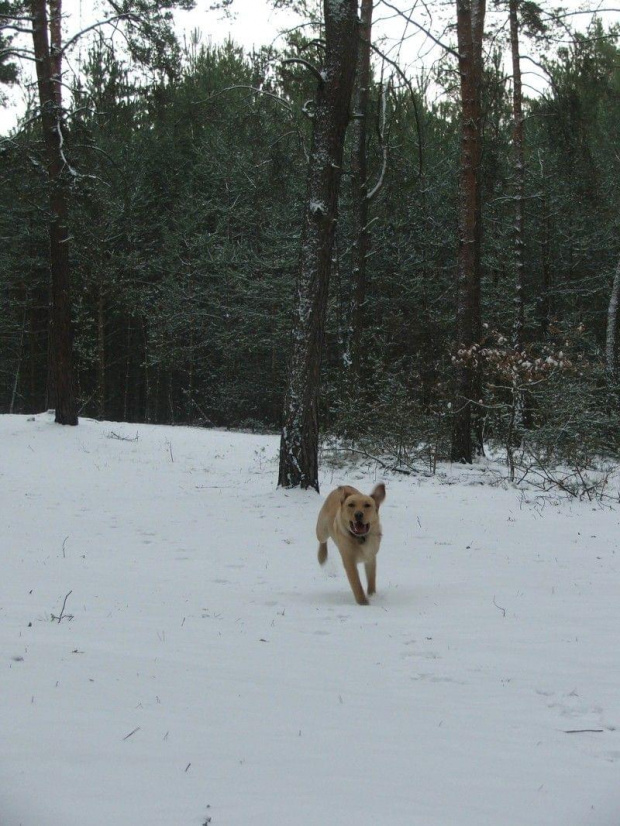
column 359, row 528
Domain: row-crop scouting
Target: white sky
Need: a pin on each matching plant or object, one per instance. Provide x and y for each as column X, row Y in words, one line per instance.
column 255, row 22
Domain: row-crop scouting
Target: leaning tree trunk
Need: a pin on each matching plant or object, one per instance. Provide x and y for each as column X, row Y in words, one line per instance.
column 470, row 26
column 300, row 429
column 49, row 69
column 612, row 328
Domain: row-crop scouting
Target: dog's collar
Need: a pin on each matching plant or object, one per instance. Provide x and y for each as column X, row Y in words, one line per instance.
column 360, row 539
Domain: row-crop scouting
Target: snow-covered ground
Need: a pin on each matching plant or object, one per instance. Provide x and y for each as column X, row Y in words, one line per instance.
column 206, row 669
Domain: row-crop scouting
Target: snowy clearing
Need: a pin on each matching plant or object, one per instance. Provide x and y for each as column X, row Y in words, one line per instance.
column 204, row 669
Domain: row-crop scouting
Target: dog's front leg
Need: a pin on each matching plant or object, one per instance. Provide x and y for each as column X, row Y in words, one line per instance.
column 354, row 579
column 371, row 576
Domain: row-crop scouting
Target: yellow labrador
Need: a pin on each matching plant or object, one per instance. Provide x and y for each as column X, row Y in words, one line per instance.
column 351, row 520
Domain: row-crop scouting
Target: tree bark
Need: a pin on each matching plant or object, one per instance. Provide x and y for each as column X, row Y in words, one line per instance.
column 470, row 28
column 359, row 176
column 543, row 302
column 612, row 328
column 101, row 354
column 518, row 412
column 49, row 68
column 518, row 145
column 300, row 428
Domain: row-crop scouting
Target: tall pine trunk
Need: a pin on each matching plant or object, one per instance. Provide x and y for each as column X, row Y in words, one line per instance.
column 543, row 301
column 518, row 413
column 299, row 441
column 612, row 328
column 518, row 146
column 48, row 60
column 101, row 353
column 359, row 181
column 470, row 28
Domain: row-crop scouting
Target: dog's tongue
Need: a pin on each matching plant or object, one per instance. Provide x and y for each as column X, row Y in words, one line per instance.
column 359, row 527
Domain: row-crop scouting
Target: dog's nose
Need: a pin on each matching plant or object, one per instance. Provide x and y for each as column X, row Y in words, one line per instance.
column 359, row 516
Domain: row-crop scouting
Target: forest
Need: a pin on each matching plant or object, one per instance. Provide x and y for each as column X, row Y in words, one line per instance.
column 464, row 269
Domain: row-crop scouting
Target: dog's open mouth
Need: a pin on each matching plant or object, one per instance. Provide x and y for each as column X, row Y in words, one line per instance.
column 359, row 528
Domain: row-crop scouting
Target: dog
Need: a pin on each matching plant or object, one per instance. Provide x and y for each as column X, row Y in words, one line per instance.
column 351, row 520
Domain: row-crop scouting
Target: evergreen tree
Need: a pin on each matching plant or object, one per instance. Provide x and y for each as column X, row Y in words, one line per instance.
column 299, row 442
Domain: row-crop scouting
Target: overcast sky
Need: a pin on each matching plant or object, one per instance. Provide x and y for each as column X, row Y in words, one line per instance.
column 254, row 22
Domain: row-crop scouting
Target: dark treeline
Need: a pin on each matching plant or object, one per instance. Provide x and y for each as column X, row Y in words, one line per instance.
column 186, row 199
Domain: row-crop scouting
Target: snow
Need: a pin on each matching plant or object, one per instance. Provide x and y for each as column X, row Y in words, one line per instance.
column 205, row 666
column 317, row 208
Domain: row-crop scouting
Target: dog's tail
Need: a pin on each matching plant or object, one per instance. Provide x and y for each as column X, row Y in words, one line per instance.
column 322, row 554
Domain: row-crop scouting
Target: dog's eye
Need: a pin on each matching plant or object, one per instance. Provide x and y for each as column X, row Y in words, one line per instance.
column 366, row 505
column 351, row 505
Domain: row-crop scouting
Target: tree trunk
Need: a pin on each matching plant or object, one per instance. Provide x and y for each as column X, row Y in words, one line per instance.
column 48, row 64
column 359, row 176
column 612, row 328
column 20, row 356
column 544, row 299
column 518, row 145
column 101, row 354
column 127, row 377
column 470, row 27
column 518, row 411
column 300, row 430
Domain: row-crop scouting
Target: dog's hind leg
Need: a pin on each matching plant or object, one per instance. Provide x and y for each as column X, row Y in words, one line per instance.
column 322, row 534
column 371, row 576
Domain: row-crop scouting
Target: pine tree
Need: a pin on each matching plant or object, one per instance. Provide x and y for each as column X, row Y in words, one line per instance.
column 299, row 443
column 470, row 30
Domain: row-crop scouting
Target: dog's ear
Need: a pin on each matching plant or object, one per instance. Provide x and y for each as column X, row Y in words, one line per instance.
column 345, row 492
column 378, row 494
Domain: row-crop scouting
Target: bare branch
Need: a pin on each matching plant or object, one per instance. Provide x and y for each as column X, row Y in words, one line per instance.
column 108, row 21
column 249, row 88
column 431, row 36
column 62, row 614
column 414, row 103
column 22, row 54
column 384, row 144
column 557, row 16
column 13, row 27
column 18, row 17
column 310, row 66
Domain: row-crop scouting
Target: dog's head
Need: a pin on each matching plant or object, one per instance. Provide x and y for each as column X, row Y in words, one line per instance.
column 359, row 514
